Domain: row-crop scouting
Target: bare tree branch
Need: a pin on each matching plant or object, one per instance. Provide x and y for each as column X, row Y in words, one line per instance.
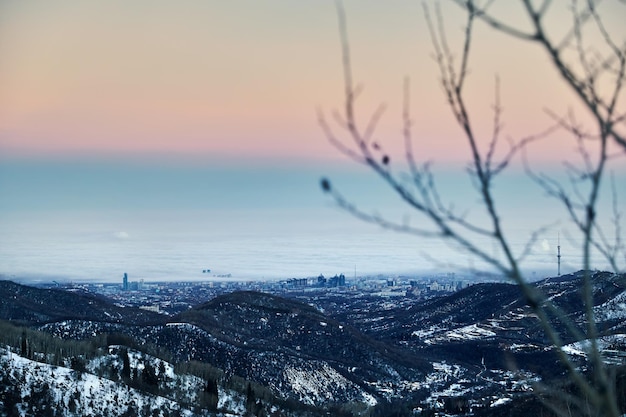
column 418, row 190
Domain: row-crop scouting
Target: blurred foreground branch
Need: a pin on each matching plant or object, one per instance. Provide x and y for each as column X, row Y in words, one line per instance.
column 587, row 78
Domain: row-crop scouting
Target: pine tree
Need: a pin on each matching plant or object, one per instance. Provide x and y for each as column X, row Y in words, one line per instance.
column 125, row 364
column 211, row 394
column 24, row 347
column 148, row 375
column 161, row 371
column 250, row 400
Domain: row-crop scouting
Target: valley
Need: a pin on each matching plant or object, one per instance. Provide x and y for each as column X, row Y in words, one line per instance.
column 298, row 351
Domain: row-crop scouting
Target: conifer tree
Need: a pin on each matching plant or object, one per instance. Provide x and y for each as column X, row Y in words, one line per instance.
column 24, row 347
column 125, row 364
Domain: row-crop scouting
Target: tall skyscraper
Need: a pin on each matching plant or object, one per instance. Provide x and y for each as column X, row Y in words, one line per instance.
column 125, row 282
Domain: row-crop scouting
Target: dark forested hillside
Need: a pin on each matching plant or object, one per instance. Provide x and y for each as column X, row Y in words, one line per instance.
column 344, row 352
column 30, row 306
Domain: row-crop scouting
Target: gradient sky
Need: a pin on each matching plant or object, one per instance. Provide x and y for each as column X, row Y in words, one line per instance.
column 135, row 104
column 244, row 78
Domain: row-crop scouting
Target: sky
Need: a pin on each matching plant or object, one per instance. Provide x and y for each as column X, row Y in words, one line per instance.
column 117, row 117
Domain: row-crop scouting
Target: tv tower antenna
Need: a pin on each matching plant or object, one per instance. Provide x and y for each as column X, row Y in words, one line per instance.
column 558, row 255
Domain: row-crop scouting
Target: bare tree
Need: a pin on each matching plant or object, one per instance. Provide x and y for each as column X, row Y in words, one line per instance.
column 595, row 74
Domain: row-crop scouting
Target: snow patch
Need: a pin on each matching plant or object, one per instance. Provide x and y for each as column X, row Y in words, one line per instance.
column 317, row 384
column 500, row 401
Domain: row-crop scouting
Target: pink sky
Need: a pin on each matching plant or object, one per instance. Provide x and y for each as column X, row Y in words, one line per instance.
column 241, row 78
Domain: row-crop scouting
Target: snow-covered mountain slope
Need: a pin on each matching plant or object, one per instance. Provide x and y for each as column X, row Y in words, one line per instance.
column 31, row 388
column 274, row 336
column 480, row 347
column 125, row 382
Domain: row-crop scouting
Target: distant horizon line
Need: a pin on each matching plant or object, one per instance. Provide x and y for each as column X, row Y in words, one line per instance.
column 424, row 273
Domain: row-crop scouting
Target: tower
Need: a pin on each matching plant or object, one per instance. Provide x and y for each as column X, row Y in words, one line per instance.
column 125, row 282
column 558, row 255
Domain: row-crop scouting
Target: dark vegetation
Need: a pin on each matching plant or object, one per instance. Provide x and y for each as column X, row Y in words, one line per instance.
column 44, row 348
column 266, row 322
column 29, row 305
column 242, row 341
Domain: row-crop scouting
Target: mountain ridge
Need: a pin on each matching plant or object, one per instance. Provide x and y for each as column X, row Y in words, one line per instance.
column 325, row 348
column 32, row 306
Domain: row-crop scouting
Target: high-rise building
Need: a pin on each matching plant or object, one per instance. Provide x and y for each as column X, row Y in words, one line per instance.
column 125, row 282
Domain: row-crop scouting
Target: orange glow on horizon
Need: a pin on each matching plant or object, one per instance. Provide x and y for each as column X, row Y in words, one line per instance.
column 234, row 78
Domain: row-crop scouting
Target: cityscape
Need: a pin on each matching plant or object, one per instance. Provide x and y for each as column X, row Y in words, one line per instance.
column 171, row 298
